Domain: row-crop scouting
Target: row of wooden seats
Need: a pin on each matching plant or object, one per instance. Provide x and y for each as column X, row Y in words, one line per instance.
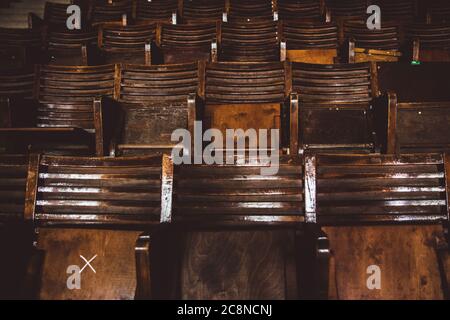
column 248, row 10
column 388, row 211
column 273, row 41
column 123, row 109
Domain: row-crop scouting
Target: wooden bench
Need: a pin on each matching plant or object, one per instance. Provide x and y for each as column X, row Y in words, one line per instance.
column 72, row 114
column 128, row 44
column 95, row 207
column 372, row 45
column 182, row 43
column 416, row 112
column 311, row 42
column 333, row 108
column 383, row 213
column 254, row 254
column 251, row 42
column 155, row 101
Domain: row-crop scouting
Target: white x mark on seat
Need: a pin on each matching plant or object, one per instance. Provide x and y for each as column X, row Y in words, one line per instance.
column 88, row 263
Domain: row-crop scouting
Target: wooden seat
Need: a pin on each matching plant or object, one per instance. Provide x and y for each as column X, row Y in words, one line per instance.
column 340, row 11
column 165, row 11
column 110, row 11
column 250, row 10
column 94, row 207
column 334, row 108
column 428, row 42
column 64, row 47
column 203, row 207
column 311, row 42
column 418, row 115
column 128, row 44
column 383, row 212
column 372, row 45
column 250, row 42
column 155, row 102
column 189, row 43
column 73, row 113
column 246, row 96
column 19, row 48
column 294, row 10
column 203, row 11
column 400, row 11
column 438, row 12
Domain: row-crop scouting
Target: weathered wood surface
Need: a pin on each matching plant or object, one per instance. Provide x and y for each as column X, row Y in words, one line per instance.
column 405, row 254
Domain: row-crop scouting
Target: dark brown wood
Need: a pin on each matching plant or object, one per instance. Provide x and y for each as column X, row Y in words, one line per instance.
column 334, row 107
column 155, row 101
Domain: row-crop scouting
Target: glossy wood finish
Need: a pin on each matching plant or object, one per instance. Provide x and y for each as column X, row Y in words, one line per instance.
column 101, row 195
column 110, row 11
column 194, row 40
column 405, row 254
column 244, row 95
column 128, row 44
column 196, row 11
column 151, row 94
column 309, row 10
column 250, row 10
column 334, row 107
column 73, row 47
column 372, row 45
column 311, row 43
column 239, row 194
column 249, row 41
column 156, row 11
column 381, row 188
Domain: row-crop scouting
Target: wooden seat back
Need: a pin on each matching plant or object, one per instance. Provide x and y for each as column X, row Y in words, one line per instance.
column 245, row 95
column 188, row 43
column 155, row 103
column 71, row 48
column 127, row 44
column 250, row 41
column 428, row 42
column 157, row 11
column 311, row 42
column 203, row 11
column 417, row 118
column 334, row 107
column 372, row 45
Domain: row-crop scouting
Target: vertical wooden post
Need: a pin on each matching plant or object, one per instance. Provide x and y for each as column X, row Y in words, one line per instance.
column 166, row 189
column 294, row 129
column 392, row 110
column 31, row 188
column 310, row 189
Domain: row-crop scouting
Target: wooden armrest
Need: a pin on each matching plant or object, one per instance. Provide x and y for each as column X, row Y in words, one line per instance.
column 34, row 21
column 108, row 123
